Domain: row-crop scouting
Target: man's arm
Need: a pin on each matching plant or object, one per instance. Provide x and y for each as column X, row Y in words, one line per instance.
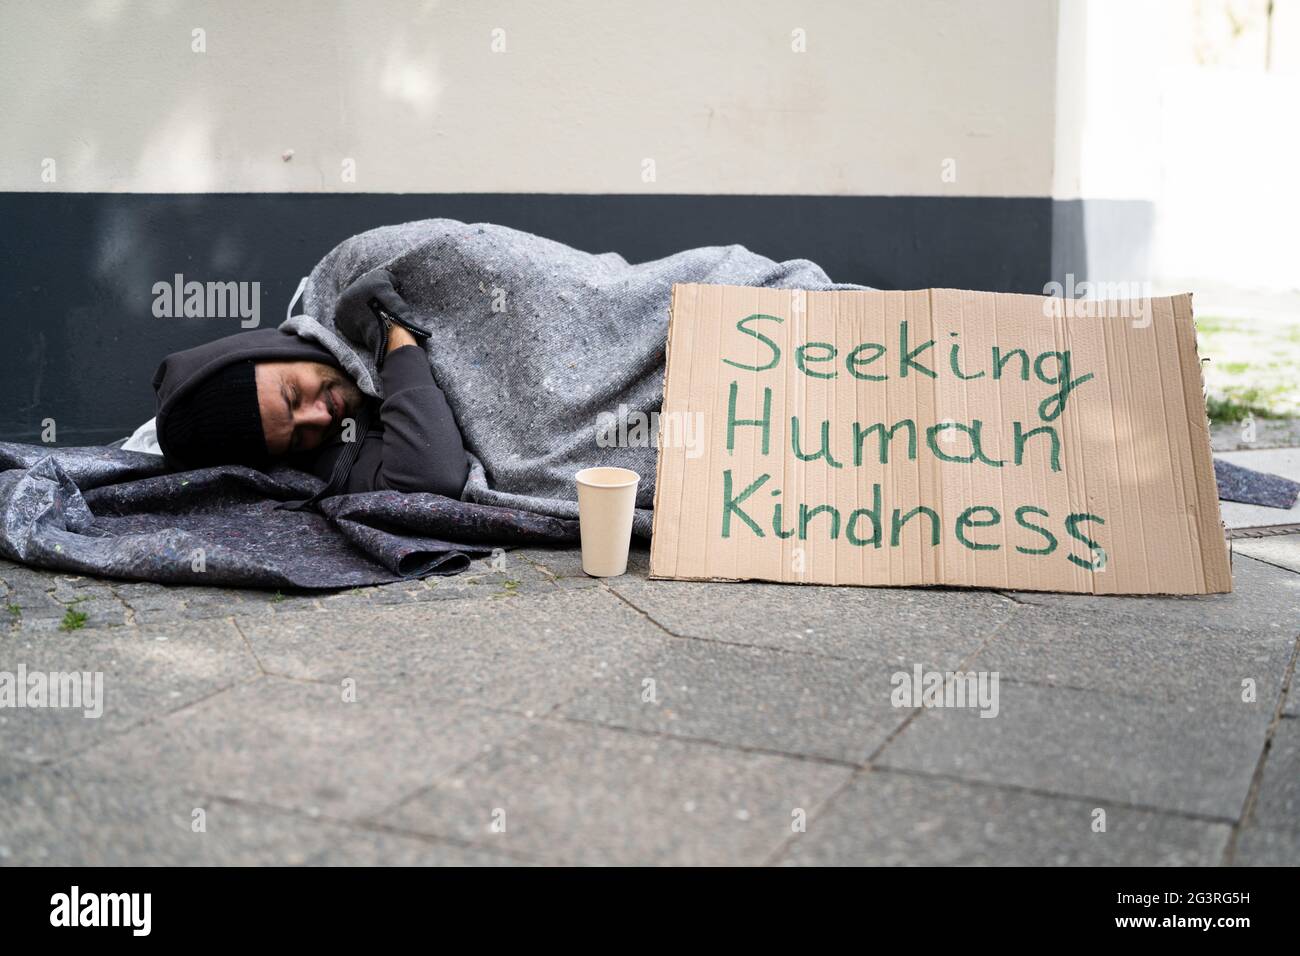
column 420, row 448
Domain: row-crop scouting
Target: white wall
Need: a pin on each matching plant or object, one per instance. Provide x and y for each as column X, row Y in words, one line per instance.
column 584, row 93
column 1188, row 104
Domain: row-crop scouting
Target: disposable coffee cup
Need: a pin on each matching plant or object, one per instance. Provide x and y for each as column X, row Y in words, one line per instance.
column 606, row 501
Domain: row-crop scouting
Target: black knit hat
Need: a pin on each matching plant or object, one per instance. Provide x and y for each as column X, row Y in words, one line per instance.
column 218, row 422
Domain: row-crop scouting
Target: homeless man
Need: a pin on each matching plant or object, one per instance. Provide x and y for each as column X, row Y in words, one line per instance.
column 267, row 395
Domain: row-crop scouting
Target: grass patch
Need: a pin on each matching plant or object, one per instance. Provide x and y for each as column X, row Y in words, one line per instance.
column 73, row 620
column 1237, row 407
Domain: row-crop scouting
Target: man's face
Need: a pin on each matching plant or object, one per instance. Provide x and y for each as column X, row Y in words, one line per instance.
column 303, row 404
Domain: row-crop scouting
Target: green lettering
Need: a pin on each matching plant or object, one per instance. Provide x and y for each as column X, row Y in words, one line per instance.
column 1024, row 523
column 823, row 452
column 965, row 520
column 896, row 525
column 806, row 514
column 853, row 361
column 733, row 421
column 801, row 358
column 905, row 356
column 776, row 350
column 874, row 514
column 886, row 436
column 731, row 503
column 1072, row 523
column 1021, row 437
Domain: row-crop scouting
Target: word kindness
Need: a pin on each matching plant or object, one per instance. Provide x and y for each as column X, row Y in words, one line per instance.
column 756, row 505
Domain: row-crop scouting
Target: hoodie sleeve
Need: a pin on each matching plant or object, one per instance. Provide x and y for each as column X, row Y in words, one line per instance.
column 417, row 446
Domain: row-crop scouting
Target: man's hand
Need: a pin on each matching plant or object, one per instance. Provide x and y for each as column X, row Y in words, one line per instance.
column 372, row 314
column 398, row 337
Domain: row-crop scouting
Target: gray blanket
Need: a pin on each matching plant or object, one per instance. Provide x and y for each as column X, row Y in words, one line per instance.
column 532, row 341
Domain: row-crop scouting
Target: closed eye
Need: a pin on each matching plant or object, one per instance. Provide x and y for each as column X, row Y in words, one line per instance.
column 294, row 437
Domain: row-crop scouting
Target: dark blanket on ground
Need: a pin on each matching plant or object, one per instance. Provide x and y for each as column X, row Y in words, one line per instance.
column 122, row 514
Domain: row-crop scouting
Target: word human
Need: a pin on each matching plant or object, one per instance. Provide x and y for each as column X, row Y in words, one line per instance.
column 102, row 909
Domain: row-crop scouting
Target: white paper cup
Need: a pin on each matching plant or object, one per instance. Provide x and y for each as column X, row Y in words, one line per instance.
column 606, row 501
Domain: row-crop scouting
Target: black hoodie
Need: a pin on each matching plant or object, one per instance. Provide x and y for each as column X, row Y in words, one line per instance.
column 413, row 446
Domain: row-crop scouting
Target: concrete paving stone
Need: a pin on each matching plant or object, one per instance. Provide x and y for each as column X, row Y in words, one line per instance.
column 1121, row 653
column 60, row 818
column 357, row 846
column 1257, row 846
column 302, row 746
column 885, row 626
column 36, row 608
column 527, row 653
column 1185, row 757
column 565, row 564
column 748, row 697
column 66, row 589
column 896, row 819
column 1292, row 707
column 1264, row 599
column 1282, row 550
column 147, row 672
column 481, row 582
column 1277, row 806
column 151, row 603
column 587, row 795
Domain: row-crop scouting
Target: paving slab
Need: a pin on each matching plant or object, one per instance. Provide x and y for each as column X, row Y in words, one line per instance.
column 525, row 652
column 896, row 819
column 1123, row 653
column 59, row 818
column 303, row 746
column 147, row 672
column 572, row 793
column 1263, row 599
column 564, row 565
column 1189, row 757
column 1277, row 806
column 748, row 697
column 888, row 627
column 1282, row 550
column 1257, row 846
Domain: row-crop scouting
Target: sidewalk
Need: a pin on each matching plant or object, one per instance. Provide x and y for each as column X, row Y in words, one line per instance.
column 519, row 698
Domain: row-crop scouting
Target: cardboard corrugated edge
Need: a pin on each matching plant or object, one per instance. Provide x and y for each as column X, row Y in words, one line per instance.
column 1216, row 573
column 1216, row 569
column 655, row 537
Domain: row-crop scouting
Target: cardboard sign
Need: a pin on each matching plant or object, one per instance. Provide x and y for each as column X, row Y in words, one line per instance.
column 974, row 439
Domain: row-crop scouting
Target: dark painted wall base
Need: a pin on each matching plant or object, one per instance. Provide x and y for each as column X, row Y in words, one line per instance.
column 77, row 270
